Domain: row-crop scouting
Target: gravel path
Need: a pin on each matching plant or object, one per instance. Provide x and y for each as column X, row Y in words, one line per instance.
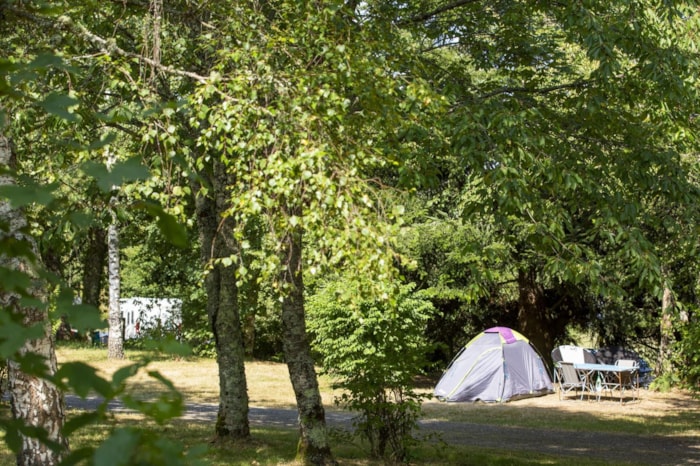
column 613, row 448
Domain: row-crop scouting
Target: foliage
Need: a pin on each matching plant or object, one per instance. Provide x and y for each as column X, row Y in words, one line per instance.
column 686, row 357
column 302, row 143
column 570, row 143
column 374, row 349
column 55, row 135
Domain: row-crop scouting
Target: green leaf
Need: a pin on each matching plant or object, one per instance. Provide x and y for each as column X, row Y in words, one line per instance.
column 98, row 171
column 80, row 316
column 83, row 316
column 171, row 229
column 59, row 105
column 13, row 335
column 13, row 439
column 82, row 379
column 130, row 170
column 115, row 450
column 122, row 172
column 81, row 220
column 84, row 419
column 168, row 405
column 78, row 456
column 46, row 60
column 12, row 280
column 169, row 345
column 103, row 142
column 20, row 196
column 123, row 373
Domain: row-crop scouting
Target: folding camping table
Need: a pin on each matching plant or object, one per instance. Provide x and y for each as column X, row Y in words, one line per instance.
column 607, row 377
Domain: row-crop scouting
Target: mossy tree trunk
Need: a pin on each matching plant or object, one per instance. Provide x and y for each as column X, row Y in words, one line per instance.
column 314, row 446
column 216, row 236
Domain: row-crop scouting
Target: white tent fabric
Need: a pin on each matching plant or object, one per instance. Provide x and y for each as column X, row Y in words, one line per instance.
column 496, row 366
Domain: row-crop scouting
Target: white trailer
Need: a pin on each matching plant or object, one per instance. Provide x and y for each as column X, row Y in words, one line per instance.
column 143, row 314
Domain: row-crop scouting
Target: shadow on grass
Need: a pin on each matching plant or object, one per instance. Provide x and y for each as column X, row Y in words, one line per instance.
column 604, row 431
column 460, row 443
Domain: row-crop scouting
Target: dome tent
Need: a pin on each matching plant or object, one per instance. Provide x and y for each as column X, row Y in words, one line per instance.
column 497, row 365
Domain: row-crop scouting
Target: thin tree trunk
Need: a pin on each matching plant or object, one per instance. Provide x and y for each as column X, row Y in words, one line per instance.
column 216, row 237
column 115, row 342
column 314, row 447
column 249, row 332
column 668, row 303
column 250, row 292
column 93, row 266
column 35, row 401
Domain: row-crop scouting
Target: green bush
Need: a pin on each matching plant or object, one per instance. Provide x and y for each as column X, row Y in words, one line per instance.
column 373, row 349
column 686, row 358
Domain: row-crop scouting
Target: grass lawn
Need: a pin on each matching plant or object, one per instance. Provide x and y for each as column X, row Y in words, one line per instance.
column 673, row 414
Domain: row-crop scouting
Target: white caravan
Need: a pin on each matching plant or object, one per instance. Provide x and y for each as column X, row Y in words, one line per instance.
column 142, row 314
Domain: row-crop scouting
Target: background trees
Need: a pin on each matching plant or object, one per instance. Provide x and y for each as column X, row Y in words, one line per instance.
column 566, row 124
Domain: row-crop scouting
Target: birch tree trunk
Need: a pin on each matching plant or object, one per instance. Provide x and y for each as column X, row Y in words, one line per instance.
column 216, row 237
column 314, row 447
column 115, row 342
column 35, row 401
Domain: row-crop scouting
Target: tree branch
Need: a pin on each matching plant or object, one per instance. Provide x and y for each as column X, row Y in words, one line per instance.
column 437, row 11
column 107, row 46
column 535, row 90
column 112, row 48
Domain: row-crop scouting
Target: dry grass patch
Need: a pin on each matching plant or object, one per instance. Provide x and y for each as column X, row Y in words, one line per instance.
column 676, row 413
column 197, row 378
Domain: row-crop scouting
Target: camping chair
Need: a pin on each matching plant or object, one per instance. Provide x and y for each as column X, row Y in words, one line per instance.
column 568, row 378
column 629, row 380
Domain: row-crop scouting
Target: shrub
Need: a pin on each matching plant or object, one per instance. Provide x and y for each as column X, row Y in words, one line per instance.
column 686, row 357
column 373, row 349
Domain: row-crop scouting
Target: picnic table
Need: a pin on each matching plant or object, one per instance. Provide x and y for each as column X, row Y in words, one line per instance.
column 599, row 378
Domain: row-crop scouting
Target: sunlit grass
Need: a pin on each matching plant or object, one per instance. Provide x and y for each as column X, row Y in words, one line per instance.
column 198, row 378
column 673, row 414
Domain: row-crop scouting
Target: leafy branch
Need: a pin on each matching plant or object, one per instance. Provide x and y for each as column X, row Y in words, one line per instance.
column 536, row 90
column 436, row 11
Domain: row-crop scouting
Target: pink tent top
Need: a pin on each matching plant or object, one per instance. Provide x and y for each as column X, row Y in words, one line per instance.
column 506, row 333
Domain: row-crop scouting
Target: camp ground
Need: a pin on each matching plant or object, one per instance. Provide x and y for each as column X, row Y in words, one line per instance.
column 498, row 365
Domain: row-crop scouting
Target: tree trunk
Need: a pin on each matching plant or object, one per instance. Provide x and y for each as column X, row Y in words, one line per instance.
column 93, row 266
column 35, row 401
column 533, row 318
column 668, row 303
column 115, row 342
column 250, row 291
column 216, row 237
column 314, row 447
column 249, row 333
